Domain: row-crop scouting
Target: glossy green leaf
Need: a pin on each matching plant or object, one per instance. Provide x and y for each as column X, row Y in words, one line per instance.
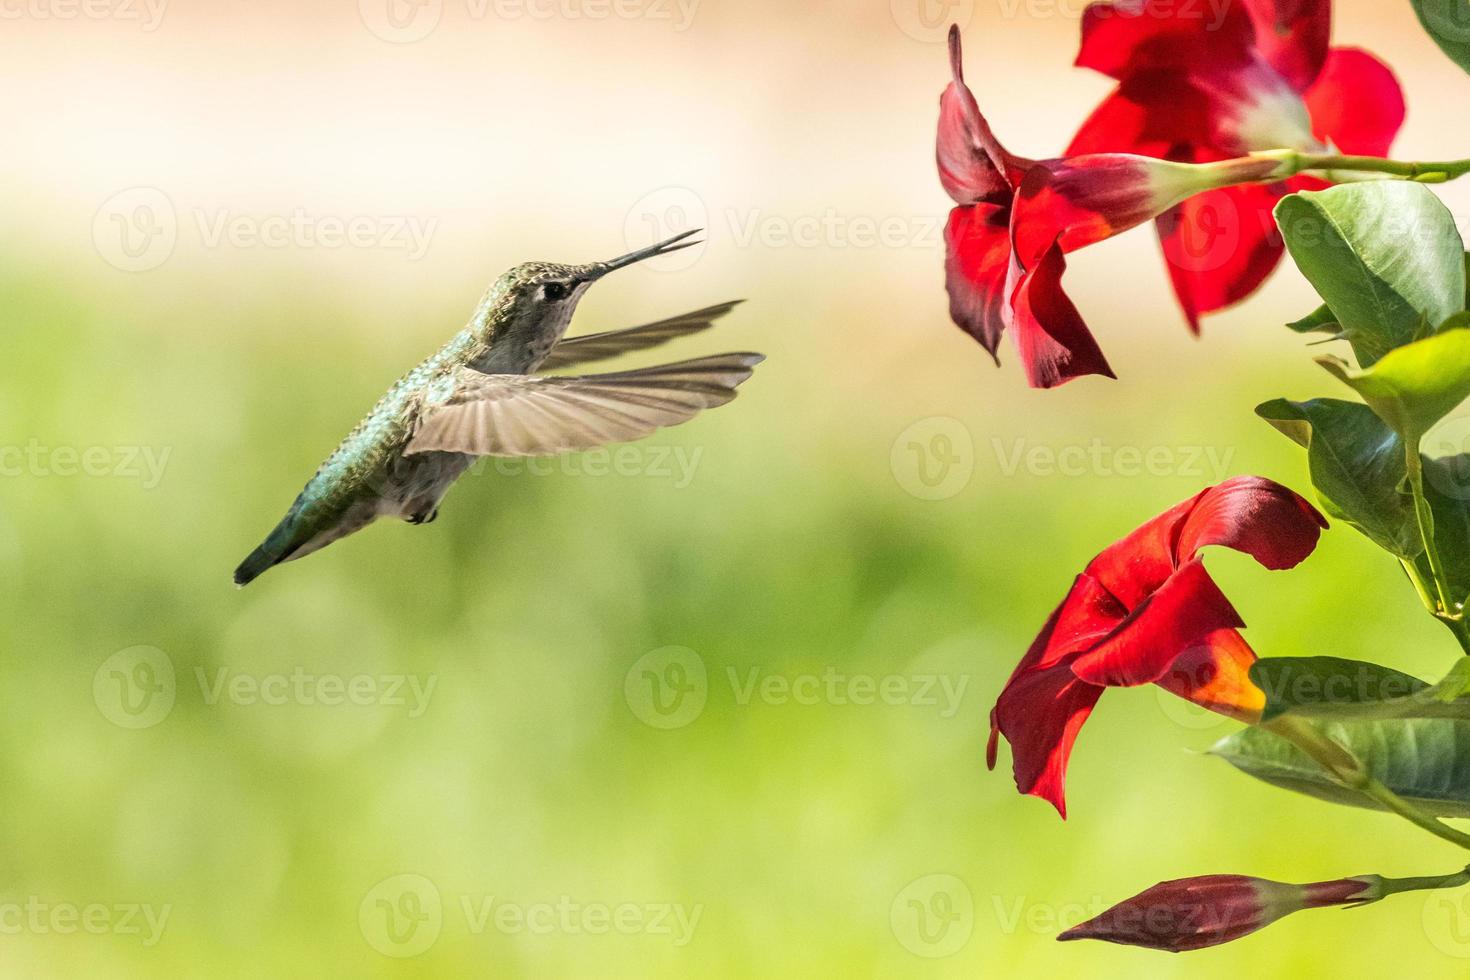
column 1423, row 760
column 1385, row 255
column 1448, row 23
column 1357, row 466
column 1330, row 687
column 1414, row 386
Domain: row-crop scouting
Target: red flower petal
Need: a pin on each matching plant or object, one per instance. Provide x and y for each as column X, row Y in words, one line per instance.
column 973, row 165
column 1040, row 714
column 1293, row 36
column 1155, row 114
column 1043, row 705
column 1357, row 103
column 1178, row 615
column 1214, row 673
column 1220, row 246
column 1054, row 343
column 1253, row 515
column 1129, row 36
column 1088, row 614
column 977, row 260
column 1132, row 568
column 1249, row 514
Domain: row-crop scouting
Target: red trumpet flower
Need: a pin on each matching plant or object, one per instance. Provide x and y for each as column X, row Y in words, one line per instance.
column 1203, row 82
column 1146, row 611
column 1193, row 913
column 1017, row 217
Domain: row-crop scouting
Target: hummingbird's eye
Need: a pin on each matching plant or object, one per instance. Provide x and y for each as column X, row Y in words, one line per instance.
column 555, row 291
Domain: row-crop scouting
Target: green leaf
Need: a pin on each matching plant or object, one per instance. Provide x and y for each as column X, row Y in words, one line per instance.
column 1330, row 687
column 1385, row 255
column 1448, row 23
column 1320, row 320
column 1414, row 386
column 1447, row 488
column 1357, row 466
column 1424, row 760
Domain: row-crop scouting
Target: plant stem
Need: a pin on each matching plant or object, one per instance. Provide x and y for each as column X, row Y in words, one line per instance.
column 1343, row 766
column 1425, row 519
column 1424, row 172
column 1461, row 628
column 1396, row 886
column 1417, row 580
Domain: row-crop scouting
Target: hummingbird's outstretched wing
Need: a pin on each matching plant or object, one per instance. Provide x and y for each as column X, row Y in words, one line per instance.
column 601, row 346
column 527, row 415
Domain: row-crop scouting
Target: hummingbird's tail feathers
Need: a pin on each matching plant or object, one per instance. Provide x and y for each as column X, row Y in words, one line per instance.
column 302, row 532
column 254, row 566
column 280, row 545
column 611, row 343
column 521, row 415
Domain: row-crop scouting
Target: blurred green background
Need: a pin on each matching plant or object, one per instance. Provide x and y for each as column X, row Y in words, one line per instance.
column 632, row 749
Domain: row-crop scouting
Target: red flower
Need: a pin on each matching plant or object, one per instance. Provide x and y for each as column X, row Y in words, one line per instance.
column 1146, row 611
column 1017, row 217
column 1203, row 82
column 1193, row 913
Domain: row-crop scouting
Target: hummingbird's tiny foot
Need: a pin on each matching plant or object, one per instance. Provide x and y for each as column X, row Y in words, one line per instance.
column 423, row 517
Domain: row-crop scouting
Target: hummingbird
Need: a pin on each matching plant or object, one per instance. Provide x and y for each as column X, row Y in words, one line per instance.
column 483, row 394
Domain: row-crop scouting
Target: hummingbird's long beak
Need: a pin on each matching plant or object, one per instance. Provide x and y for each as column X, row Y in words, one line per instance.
column 662, row 248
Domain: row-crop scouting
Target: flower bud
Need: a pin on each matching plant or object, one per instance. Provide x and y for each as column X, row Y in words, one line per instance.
column 1192, row 913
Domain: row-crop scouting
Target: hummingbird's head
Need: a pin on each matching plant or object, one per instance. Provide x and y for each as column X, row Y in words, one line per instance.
column 537, row 298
